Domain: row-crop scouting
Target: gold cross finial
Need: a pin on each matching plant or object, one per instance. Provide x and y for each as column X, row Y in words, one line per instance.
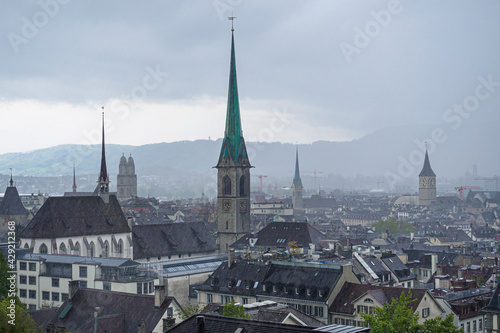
column 231, row 18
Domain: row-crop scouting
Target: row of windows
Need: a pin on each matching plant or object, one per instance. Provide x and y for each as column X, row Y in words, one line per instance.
column 475, row 328
column 55, row 296
column 143, row 288
column 90, row 250
column 23, row 280
column 23, row 264
column 23, row 293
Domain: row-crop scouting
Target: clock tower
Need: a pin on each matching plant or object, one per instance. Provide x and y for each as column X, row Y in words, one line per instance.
column 233, row 172
column 426, row 184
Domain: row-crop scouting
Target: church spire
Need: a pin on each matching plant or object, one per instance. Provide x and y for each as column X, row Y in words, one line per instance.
column 103, row 181
column 427, row 170
column 296, row 179
column 74, row 178
column 11, row 181
column 233, row 145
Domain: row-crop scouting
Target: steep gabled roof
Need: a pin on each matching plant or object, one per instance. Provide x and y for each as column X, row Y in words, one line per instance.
column 350, row 292
column 11, row 203
column 76, row 216
column 153, row 240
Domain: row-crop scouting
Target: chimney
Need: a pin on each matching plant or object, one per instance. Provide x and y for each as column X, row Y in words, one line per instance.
column 97, row 311
column 200, row 324
column 412, row 235
column 73, row 288
column 230, row 257
column 434, row 259
column 159, row 295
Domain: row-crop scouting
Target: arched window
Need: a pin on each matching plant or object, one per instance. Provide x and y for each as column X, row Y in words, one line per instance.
column 62, row 249
column 242, row 186
column 43, row 249
column 26, row 246
column 105, row 250
column 227, row 185
column 91, row 249
column 119, row 249
column 77, row 249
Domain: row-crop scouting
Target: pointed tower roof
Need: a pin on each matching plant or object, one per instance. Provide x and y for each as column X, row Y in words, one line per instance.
column 11, row 203
column 427, row 170
column 296, row 180
column 233, row 144
column 103, row 174
column 74, row 178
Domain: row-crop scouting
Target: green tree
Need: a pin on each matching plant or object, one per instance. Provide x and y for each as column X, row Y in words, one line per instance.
column 189, row 310
column 394, row 227
column 4, row 274
column 294, row 248
column 396, row 316
column 15, row 319
column 231, row 310
column 437, row 325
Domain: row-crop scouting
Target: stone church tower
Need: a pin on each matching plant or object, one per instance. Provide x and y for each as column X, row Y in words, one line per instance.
column 126, row 181
column 233, row 172
column 426, row 184
column 297, row 199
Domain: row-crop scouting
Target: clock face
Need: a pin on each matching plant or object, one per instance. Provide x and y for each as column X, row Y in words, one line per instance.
column 243, row 206
column 226, row 205
column 433, row 182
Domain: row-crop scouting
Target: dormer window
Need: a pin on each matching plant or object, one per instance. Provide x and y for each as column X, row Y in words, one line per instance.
column 308, row 292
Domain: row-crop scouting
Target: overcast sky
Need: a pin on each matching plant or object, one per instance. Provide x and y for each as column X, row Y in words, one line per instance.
column 307, row 71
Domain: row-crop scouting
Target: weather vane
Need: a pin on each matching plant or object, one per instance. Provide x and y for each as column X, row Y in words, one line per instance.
column 231, row 18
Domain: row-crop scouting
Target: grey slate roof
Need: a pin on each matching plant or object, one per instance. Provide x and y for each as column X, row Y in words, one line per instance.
column 399, row 269
column 153, row 240
column 225, row 279
column 220, row 324
column 11, row 203
column 120, row 312
column 76, row 216
column 278, row 234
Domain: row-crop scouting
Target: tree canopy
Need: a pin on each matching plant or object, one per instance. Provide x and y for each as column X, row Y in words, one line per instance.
column 397, row 316
column 393, row 227
column 235, row 311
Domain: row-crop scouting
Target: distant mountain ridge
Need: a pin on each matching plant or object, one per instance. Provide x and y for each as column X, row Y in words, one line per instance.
column 388, row 151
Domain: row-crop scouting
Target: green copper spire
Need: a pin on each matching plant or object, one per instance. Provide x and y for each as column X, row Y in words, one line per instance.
column 233, row 132
column 233, row 145
column 296, row 179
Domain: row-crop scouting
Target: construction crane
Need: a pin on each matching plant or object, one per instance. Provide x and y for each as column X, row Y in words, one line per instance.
column 260, row 177
column 378, row 181
column 462, row 188
column 314, row 173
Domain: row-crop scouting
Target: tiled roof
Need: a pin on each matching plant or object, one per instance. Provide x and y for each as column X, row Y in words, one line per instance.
column 153, row 240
